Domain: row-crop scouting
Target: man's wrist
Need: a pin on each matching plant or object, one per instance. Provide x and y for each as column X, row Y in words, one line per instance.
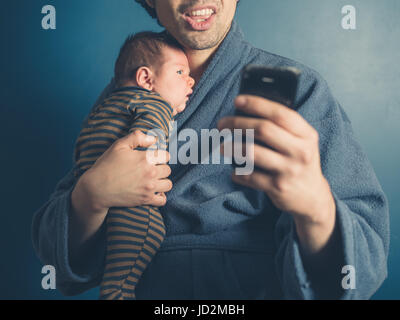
column 315, row 230
column 83, row 202
column 84, row 221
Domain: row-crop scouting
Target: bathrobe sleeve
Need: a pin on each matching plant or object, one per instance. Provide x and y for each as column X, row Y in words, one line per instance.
column 362, row 214
column 50, row 227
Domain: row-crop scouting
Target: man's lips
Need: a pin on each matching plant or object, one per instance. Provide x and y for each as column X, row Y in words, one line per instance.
column 191, row 10
column 200, row 18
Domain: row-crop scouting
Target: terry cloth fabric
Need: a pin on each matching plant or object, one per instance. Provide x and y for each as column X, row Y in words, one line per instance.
column 229, row 241
column 134, row 235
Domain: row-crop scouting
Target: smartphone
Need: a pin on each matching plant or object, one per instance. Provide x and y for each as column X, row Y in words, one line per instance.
column 278, row 84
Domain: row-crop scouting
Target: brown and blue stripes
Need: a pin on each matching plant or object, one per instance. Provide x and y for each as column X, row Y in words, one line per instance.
column 134, row 235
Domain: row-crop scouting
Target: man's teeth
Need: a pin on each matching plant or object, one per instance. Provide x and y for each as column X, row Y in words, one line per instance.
column 204, row 12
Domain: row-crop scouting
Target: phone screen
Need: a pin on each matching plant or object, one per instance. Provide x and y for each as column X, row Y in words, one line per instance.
column 278, row 84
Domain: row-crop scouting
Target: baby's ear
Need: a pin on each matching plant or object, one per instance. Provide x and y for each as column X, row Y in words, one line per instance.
column 144, row 78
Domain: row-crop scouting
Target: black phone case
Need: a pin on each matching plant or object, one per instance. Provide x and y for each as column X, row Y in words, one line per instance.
column 278, row 84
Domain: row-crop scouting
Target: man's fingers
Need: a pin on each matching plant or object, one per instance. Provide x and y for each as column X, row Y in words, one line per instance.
column 267, row 132
column 157, row 156
column 283, row 116
column 163, row 171
column 257, row 180
column 164, row 185
column 158, row 200
column 268, row 159
column 138, row 139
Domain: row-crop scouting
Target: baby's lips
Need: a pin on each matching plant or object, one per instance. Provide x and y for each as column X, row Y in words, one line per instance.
column 189, row 93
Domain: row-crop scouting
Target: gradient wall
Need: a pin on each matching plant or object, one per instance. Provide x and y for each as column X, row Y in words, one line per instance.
column 50, row 79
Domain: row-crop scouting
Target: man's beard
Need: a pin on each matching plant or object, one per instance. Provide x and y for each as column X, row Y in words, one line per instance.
column 202, row 40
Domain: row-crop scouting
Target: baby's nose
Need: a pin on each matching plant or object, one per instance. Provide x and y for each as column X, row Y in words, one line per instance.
column 190, row 82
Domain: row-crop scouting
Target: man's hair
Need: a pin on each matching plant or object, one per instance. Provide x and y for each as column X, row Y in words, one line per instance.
column 143, row 49
column 150, row 10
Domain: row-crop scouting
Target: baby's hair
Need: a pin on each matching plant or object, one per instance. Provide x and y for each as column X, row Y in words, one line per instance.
column 143, row 49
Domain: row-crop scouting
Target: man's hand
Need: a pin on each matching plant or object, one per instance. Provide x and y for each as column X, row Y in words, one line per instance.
column 123, row 177
column 291, row 172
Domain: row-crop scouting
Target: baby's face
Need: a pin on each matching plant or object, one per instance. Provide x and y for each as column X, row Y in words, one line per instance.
column 172, row 80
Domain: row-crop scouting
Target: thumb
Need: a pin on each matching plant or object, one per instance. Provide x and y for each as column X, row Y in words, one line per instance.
column 138, row 139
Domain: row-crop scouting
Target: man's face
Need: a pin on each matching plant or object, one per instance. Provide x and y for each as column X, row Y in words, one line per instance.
column 196, row 24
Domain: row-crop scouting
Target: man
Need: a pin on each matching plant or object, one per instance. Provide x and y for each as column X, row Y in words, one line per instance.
column 284, row 231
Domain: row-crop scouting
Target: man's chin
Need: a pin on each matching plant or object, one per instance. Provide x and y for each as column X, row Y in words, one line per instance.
column 198, row 40
column 200, row 43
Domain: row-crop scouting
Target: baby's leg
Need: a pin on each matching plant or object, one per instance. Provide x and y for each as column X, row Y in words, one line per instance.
column 134, row 235
column 154, row 238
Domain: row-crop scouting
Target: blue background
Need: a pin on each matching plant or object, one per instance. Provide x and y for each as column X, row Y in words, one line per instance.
column 50, row 79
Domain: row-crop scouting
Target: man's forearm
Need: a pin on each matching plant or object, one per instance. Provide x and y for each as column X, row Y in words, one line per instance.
column 317, row 236
column 85, row 221
column 314, row 237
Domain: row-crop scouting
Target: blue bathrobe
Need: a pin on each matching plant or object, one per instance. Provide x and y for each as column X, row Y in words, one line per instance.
column 226, row 241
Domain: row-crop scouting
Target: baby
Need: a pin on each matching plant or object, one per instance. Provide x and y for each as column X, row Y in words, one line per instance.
column 153, row 85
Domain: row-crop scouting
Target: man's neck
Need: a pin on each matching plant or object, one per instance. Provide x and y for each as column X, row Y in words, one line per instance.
column 199, row 60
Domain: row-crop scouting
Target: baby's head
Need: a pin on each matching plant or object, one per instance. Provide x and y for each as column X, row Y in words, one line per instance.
column 155, row 62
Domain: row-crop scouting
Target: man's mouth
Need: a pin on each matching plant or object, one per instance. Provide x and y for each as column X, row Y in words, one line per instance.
column 200, row 18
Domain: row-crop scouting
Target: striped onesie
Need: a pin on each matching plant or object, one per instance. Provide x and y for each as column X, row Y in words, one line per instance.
column 133, row 234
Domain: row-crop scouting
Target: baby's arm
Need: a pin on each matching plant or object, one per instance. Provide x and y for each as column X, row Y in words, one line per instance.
column 147, row 117
column 152, row 116
column 105, row 124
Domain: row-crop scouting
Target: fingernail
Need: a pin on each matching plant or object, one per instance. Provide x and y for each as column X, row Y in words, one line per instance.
column 240, row 101
column 150, row 138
